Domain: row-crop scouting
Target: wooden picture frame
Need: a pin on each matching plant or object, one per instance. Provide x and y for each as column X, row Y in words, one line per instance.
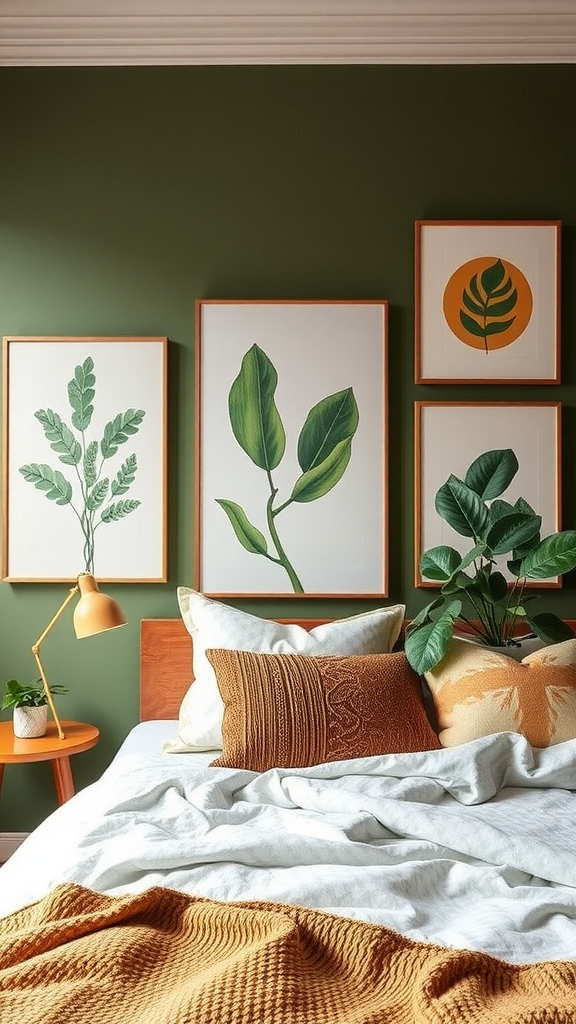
column 450, row 435
column 487, row 302
column 291, row 466
column 84, row 458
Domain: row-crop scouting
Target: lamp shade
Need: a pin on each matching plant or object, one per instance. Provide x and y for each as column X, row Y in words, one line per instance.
column 95, row 612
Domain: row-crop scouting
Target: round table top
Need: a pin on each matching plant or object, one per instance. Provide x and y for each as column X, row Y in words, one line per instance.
column 78, row 737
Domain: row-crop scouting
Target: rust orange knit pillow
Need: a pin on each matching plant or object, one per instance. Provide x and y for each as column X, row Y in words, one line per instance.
column 478, row 691
column 295, row 710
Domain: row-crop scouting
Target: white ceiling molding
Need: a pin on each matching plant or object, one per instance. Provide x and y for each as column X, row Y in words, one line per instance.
column 153, row 32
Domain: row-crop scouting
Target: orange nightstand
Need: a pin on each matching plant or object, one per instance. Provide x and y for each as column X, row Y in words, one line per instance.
column 79, row 737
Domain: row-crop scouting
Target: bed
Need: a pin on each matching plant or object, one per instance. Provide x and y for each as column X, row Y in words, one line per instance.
column 430, row 885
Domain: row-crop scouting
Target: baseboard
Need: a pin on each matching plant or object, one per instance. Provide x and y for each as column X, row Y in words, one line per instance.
column 9, row 842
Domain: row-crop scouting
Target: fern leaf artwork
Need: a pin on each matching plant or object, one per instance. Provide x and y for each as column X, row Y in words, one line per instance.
column 92, row 493
column 488, row 303
column 324, row 450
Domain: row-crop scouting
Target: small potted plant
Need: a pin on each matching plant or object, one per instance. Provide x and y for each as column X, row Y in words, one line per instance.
column 30, row 706
column 475, row 595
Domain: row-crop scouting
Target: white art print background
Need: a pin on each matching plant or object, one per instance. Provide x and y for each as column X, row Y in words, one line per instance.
column 43, row 540
column 337, row 543
column 451, row 435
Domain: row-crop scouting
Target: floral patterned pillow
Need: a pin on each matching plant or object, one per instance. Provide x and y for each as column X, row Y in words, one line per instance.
column 478, row 690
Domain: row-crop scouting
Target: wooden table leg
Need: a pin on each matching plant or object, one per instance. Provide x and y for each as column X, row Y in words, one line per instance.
column 63, row 779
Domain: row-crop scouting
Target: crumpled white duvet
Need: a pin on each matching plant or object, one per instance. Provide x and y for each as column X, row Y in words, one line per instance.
column 472, row 846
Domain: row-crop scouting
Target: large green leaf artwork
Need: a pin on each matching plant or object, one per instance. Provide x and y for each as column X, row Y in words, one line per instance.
column 324, row 451
column 489, row 295
column 90, row 492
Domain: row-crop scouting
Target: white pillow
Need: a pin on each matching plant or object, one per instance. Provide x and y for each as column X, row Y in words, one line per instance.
column 213, row 624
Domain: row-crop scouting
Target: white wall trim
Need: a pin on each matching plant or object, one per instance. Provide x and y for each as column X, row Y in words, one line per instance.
column 9, row 842
column 149, row 32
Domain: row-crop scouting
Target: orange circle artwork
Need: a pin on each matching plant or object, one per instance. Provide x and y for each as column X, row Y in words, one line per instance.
column 487, row 303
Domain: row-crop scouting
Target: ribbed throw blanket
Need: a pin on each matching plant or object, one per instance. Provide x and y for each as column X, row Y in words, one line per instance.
column 163, row 957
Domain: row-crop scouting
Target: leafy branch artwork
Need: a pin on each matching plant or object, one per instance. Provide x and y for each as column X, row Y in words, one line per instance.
column 90, row 492
column 489, row 296
column 324, row 450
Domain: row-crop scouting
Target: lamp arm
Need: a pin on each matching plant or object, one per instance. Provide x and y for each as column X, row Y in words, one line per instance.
column 73, row 591
column 36, row 652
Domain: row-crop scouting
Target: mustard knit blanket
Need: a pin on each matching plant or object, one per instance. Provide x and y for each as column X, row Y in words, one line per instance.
column 163, row 957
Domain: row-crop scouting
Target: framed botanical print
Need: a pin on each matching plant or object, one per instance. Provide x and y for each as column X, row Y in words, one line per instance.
column 449, row 436
column 487, row 302
column 291, row 468
column 84, row 459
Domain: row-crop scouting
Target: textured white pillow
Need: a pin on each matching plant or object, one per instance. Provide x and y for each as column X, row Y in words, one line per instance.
column 214, row 624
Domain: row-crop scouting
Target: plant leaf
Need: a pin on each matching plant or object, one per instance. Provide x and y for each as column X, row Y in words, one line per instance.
column 504, row 289
column 521, row 505
column 426, row 646
column 97, row 496
column 473, row 304
column 321, row 479
column 471, row 325
column 482, row 330
column 507, row 304
column 491, row 473
column 498, row 326
column 89, row 464
column 424, row 615
column 478, row 551
column 80, row 394
column 60, row 436
column 51, row 481
column 514, row 566
column 553, row 556
column 28, row 695
column 254, row 418
column 499, row 508
column 331, row 421
column 511, row 531
column 492, row 277
column 495, row 586
column 457, row 583
column 440, row 563
column 125, row 476
column 461, row 507
column 521, row 550
column 118, row 510
column 488, row 295
column 118, row 430
column 249, row 536
column 549, row 628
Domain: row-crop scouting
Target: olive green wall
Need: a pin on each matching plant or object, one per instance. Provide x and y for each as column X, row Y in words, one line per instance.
column 126, row 193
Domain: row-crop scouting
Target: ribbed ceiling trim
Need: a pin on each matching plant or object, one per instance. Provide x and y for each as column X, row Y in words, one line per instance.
column 149, row 32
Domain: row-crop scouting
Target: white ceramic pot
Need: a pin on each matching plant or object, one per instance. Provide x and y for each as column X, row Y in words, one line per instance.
column 525, row 645
column 30, row 722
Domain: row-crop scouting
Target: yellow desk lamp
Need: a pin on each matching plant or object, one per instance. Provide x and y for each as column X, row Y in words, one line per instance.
column 94, row 613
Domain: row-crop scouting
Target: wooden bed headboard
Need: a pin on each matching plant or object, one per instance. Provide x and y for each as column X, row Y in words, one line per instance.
column 166, row 664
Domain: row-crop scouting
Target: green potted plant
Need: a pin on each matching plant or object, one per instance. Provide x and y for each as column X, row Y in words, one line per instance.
column 30, row 706
column 475, row 594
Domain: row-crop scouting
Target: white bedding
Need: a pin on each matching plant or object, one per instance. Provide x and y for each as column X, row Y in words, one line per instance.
column 151, row 737
column 472, row 846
